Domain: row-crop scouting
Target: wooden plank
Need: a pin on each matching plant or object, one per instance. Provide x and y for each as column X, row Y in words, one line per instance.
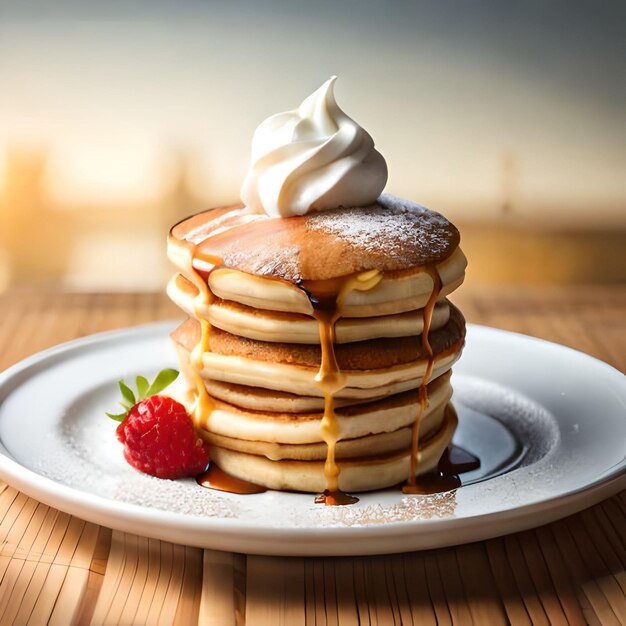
column 97, row 567
column 275, row 592
column 360, row 592
column 379, row 598
column 453, row 587
column 217, row 606
column 418, row 591
column 599, row 568
column 505, row 582
column 347, row 607
column 539, row 573
column 436, row 590
column 589, row 588
column 524, row 581
column 561, row 578
column 480, row 588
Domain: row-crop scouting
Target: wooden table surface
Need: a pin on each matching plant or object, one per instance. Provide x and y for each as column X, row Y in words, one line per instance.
column 58, row 569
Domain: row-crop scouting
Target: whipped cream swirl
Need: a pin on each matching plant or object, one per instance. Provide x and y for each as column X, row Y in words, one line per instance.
column 311, row 159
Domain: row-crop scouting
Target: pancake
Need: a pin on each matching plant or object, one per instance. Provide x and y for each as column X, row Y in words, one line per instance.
column 356, row 474
column 382, row 443
column 365, row 445
column 260, row 399
column 300, row 380
column 276, row 326
column 391, row 235
column 265, row 263
column 362, row 355
column 395, row 293
column 380, row 416
column 360, row 385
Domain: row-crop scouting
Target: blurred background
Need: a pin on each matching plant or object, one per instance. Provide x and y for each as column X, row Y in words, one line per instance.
column 119, row 118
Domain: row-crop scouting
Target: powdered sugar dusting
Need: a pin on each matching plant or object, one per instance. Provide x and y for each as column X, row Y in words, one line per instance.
column 406, row 233
column 282, row 262
column 85, row 454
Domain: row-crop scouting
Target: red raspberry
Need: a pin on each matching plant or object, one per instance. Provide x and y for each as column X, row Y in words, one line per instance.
column 159, row 439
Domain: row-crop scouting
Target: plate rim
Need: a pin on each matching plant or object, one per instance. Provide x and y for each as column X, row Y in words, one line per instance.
column 93, row 507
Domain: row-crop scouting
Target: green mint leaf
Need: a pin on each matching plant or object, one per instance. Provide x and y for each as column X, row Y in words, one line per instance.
column 127, row 393
column 119, row 417
column 163, row 379
column 142, row 387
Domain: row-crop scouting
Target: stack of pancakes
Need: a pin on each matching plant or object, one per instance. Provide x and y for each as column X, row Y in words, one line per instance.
column 304, row 351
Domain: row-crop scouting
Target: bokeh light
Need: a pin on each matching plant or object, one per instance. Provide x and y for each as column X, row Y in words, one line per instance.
column 123, row 117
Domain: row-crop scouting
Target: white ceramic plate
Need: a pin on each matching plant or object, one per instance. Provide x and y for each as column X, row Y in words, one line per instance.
column 548, row 423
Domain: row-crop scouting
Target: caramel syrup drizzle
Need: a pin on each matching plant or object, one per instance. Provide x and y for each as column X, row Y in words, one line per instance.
column 330, row 379
column 191, row 249
column 216, row 478
column 327, row 299
column 203, row 405
column 411, row 485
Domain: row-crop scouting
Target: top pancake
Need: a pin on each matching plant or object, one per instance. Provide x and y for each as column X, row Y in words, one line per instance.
column 392, row 235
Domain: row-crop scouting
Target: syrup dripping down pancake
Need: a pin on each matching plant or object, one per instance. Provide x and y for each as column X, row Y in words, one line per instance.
column 357, row 474
column 280, row 326
column 386, row 415
column 384, row 439
column 362, row 355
